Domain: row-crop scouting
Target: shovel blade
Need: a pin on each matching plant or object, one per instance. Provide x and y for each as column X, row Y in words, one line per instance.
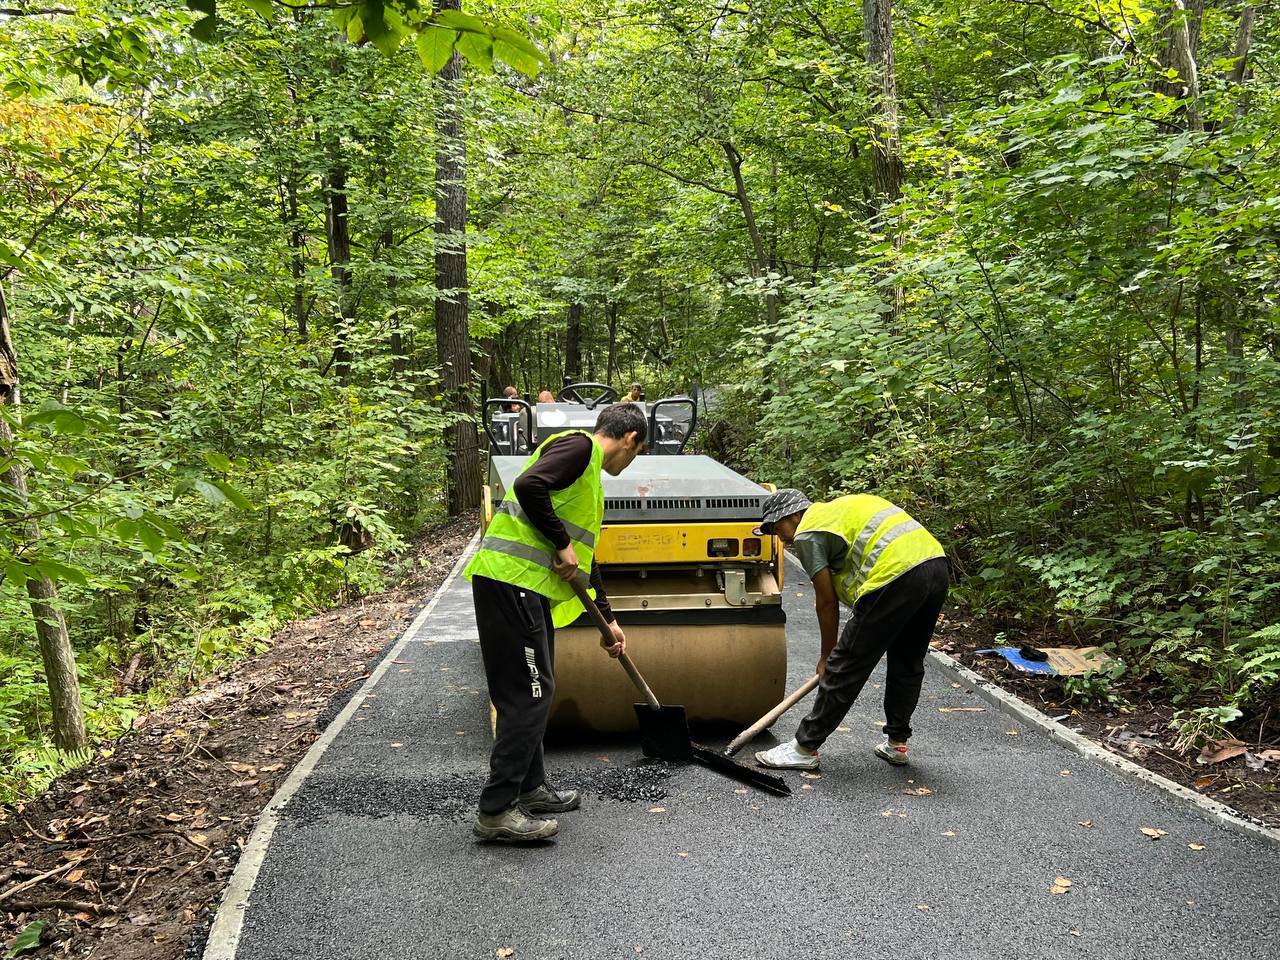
column 743, row 774
column 664, row 732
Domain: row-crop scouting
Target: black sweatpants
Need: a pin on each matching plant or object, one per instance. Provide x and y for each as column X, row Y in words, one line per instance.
column 517, row 642
column 898, row 620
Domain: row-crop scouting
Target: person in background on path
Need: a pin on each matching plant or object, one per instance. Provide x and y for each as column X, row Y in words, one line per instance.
column 542, row 535
column 546, row 396
column 635, row 395
column 510, row 392
column 866, row 553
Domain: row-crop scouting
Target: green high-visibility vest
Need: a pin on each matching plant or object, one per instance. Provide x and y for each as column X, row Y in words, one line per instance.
column 513, row 551
column 884, row 542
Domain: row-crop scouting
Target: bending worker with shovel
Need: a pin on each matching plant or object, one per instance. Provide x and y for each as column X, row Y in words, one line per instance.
column 870, row 555
column 542, row 535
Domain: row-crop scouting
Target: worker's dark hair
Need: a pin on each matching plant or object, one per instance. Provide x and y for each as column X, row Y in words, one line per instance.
column 619, row 419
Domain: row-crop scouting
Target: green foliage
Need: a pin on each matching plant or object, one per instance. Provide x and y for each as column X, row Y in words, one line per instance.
column 28, row 939
column 1196, row 728
column 199, row 468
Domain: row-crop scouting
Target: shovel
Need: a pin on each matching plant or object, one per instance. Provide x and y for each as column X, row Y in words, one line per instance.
column 664, row 730
column 749, row 734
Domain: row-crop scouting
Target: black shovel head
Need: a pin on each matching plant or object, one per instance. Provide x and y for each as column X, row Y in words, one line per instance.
column 664, row 732
column 744, row 774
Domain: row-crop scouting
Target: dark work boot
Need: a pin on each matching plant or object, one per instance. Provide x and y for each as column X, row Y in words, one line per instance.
column 543, row 799
column 512, row 826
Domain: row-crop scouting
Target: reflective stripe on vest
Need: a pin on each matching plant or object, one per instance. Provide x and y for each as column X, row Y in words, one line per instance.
column 575, row 532
column 514, row 551
column 884, row 542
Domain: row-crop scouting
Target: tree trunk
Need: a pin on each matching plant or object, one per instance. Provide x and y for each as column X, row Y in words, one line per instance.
column 611, row 315
column 338, row 233
column 573, row 344
column 886, row 148
column 1184, row 39
column 297, row 266
column 453, row 344
column 51, row 627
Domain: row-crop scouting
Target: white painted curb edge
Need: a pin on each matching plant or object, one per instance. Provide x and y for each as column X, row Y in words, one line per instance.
column 1082, row 745
column 224, row 935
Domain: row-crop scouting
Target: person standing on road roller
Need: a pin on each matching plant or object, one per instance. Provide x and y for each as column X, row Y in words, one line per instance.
column 864, row 552
column 543, row 534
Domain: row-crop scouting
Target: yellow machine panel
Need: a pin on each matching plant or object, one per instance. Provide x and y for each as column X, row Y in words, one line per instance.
column 644, row 543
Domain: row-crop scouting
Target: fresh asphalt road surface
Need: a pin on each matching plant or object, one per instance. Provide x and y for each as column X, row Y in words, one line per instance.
column 374, row 857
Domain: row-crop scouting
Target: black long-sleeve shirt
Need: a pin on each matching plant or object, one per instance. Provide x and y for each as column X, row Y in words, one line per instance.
column 559, row 466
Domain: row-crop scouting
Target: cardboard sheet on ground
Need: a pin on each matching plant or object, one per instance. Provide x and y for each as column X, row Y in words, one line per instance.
column 1062, row 662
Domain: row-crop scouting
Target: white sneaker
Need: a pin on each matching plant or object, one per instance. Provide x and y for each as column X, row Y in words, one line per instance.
column 895, row 753
column 787, row 756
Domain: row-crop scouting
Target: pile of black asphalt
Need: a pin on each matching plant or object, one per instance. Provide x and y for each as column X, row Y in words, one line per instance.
column 957, row 856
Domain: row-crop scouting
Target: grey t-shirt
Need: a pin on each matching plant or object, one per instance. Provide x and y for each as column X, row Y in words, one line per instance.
column 819, row 549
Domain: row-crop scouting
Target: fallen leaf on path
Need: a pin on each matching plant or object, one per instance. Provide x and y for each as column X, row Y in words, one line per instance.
column 174, row 817
column 918, row 792
column 842, row 729
column 811, row 776
column 682, row 853
column 1155, row 833
column 948, row 833
column 657, row 809
column 1196, row 846
column 1202, row 782
column 1269, row 755
column 1087, row 824
column 75, row 876
column 272, row 768
column 1011, row 733
column 962, row 709
column 242, row 767
column 1060, row 885
column 504, row 952
column 807, row 786
column 397, row 744
column 1221, row 750
column 923, row 907
column 1064, row 773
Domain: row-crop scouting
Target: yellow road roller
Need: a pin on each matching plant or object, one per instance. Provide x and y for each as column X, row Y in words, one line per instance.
column 698, row 593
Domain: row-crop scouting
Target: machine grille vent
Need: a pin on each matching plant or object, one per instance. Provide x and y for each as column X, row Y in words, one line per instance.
column 619, row 503
column 682, row 503
column 733, row 503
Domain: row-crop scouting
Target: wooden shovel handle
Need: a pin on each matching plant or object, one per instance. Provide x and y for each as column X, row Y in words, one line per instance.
column 607, row 640
column 792, row 699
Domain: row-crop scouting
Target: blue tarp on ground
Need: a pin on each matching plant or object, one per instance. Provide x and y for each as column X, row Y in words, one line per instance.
column 1022, row 663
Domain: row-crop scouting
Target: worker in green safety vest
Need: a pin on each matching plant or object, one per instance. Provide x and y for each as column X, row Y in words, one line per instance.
column 871, row 556
column 543, row 534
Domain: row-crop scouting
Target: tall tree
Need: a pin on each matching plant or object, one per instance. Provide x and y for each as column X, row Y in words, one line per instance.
column 51, row 626
column 886, row 145
column 453, row 338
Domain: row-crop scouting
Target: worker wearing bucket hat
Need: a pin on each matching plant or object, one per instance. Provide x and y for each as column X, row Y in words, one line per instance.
column 868, row 554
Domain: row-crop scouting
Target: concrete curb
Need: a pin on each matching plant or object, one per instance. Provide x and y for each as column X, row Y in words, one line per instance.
column 224, row 935
column 1078, row 743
